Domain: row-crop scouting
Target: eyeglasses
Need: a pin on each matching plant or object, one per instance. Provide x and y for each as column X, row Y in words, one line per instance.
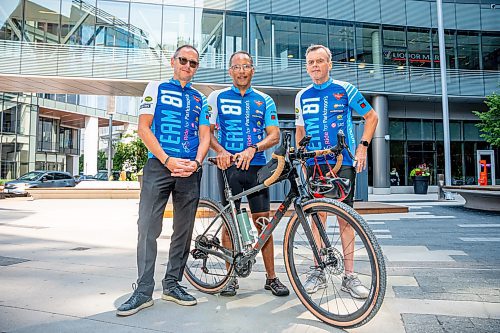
column 245, row 67
column 192, row 63
column 319, row 61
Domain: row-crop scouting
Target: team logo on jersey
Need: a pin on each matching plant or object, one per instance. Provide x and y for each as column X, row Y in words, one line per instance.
column 259, row 112
column 297, row 110
column 259, row 123
column 339, row 117
column 254, row 129
column 259, row 103
column 259, row 137
column 148, row 99
column 338, row 106
column 273, row 117
column 363, row 105
column 341, row 124
column 196, row 98
column 334, row 125
column 338, row 96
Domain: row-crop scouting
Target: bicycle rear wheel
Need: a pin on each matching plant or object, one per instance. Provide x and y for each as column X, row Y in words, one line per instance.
column 206, row 271
column 329, row 302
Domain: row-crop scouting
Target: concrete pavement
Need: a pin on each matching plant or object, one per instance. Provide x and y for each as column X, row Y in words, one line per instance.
column 65, row 265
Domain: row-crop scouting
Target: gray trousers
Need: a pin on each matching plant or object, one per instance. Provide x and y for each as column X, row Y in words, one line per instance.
column 157, row 184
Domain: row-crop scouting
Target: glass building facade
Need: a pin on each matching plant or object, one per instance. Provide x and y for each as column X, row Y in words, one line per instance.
column 387, row 47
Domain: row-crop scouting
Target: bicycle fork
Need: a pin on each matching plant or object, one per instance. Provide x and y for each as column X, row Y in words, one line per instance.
column 310, row 237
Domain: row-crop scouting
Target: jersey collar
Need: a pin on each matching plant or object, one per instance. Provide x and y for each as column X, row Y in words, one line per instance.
column 236, row 90
column 178, row 83
column 323, row 85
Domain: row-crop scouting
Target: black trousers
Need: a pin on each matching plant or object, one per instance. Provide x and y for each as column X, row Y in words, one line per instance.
column 157, row 185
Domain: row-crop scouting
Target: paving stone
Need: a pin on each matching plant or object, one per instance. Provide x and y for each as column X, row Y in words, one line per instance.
column 486, row 325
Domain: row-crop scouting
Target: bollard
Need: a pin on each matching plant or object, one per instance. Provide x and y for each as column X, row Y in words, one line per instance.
column 441, row 195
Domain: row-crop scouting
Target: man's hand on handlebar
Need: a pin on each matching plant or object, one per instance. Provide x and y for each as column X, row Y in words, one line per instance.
column 244, row 158
column 224, row 159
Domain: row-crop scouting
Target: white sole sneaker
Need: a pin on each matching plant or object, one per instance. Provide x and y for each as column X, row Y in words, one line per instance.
column 352, row 293
column 316, row 288
column 134, row 311
column 178, row 301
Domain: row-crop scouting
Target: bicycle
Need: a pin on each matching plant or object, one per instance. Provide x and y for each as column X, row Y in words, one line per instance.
column 211, row 266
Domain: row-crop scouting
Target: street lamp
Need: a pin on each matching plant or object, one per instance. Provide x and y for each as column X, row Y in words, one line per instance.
column 111, row 111
column 444, row 94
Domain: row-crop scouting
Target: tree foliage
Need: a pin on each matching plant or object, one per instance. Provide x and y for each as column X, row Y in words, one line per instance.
column 130, row 156
column 490, row 120
column 101, row 161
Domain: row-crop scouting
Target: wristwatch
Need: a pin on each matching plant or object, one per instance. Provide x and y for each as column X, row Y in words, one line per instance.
column 364, row 143
column 255, row 147
column 199, row 167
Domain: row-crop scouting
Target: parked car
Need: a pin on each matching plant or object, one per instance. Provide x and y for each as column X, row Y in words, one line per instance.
column 80, row 178
column 103, row 175
column 36, row 179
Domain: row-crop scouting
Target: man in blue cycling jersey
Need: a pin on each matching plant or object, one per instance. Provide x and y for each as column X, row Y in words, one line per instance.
column 174, row 125
column 322, row 109
column 247, row 124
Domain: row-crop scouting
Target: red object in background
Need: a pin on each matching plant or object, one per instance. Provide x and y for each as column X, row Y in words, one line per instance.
column 483, row 175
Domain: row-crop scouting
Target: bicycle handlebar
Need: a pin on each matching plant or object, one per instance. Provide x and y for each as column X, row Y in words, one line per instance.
column 284, row 151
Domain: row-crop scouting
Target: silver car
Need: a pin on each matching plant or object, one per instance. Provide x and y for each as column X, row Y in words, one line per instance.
column 39, row 179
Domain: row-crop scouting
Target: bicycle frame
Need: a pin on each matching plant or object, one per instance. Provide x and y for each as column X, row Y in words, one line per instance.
column 296, row 195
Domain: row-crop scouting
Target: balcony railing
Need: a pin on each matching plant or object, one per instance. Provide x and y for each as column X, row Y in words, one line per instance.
column 23, row 58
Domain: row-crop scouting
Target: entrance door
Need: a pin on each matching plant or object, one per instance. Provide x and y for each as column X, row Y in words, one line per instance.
column 489, row 157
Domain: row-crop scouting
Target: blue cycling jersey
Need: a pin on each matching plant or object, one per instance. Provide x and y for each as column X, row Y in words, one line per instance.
column 325, row 109
column 177, row 114
column 242, row 120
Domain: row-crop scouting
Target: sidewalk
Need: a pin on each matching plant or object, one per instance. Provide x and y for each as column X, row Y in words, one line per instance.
column 65, row 265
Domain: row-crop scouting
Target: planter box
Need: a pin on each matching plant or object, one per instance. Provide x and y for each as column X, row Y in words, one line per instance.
column 420, row 184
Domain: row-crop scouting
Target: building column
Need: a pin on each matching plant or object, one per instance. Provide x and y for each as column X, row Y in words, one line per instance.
column 91, row 145
column 380, row 147
column 72, row 164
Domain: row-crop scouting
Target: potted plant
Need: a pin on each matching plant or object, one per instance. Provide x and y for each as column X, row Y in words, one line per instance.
column 420, row 176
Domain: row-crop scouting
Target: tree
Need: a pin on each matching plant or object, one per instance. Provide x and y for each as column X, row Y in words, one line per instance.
column 101, row 161
column 490, row 120
column 131, row 155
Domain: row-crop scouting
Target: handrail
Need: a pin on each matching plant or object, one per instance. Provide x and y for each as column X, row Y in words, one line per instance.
column 47, row 59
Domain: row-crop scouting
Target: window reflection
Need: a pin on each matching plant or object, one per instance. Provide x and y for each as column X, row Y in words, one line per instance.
column 341, row 41
column 419, row 48
column 491, row 51
column 260, row 35
column 42, row 21
column 236, row 37
column 177, row 27
column 312, row 32
column 11, row 20
column 208, row 37
column 112, row 24
column 394, row 47
column 145, row 25
column 286, row 39
column 468, row 50
column 368, row 44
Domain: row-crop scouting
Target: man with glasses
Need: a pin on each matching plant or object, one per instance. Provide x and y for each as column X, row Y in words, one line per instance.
column 247, row 124
column 174, row 125
column 322, row 109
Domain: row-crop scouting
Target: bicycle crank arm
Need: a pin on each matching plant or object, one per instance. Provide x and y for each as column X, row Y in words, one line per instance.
column 226, row 256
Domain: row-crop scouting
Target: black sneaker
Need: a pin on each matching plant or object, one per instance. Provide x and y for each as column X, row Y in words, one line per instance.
column 276, row 287
column 134, row 304
column 230, row 289
column 178, row 295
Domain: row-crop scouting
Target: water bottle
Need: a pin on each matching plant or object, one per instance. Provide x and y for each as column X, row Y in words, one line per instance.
column 245, row 227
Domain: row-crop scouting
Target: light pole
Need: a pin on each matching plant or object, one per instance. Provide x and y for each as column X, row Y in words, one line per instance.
column 444, row 94
column 111, row 112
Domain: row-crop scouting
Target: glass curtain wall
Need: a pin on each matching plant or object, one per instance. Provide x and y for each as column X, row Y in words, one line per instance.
column 368, row 44
column 468, row 49
column 416, row 141
column 394, row 46
column 420, row 48
column 491, row 51
column 341, row 41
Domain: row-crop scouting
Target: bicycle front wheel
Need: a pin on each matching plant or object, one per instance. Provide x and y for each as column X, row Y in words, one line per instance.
column 347, row 287
column 213, row 237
